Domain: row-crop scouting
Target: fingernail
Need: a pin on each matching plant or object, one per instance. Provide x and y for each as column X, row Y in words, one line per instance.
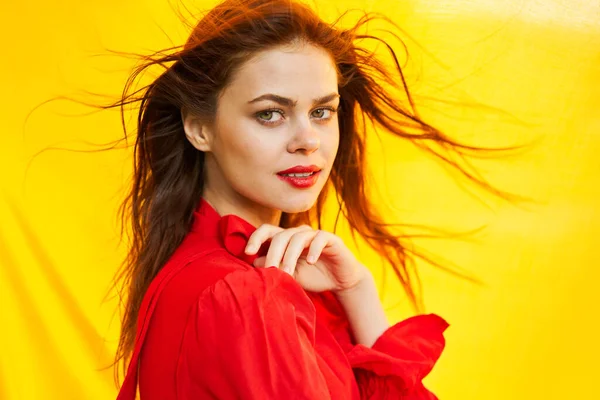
column 250, row 249
column 311, row 259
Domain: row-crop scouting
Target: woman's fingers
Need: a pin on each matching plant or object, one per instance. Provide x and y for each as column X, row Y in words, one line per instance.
column 318, row 243
column 286, row 247
column 279, row 244
column 259, row 262
column 296, row 246
column 259, row 236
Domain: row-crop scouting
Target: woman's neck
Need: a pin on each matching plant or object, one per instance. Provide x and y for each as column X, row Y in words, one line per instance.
column 249, row 211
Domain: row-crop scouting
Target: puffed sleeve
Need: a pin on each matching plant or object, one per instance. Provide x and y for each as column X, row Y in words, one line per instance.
column 396, row 364
column 251, row 336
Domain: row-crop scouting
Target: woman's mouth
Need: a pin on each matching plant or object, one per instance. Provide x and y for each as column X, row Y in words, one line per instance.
column 301, row 177
column 302, row 180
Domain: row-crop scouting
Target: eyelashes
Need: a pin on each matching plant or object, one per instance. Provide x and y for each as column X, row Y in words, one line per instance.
column 271, row 112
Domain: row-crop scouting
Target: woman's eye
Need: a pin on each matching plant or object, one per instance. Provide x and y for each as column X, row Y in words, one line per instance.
column 323, row 113
column 269, row 116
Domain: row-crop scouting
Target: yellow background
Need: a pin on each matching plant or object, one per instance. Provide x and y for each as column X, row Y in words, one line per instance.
column 490, row 72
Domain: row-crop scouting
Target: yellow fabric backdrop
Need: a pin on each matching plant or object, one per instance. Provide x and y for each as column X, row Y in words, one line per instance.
column 509, row 72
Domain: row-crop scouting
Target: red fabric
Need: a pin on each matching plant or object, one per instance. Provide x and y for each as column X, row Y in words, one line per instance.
column 214, row 327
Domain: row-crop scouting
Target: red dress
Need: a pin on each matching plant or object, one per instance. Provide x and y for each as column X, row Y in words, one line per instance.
column 212, row 326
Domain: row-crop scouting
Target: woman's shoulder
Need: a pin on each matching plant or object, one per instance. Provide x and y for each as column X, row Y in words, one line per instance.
column 254, row 286
column 195, row 276
column 220, row 276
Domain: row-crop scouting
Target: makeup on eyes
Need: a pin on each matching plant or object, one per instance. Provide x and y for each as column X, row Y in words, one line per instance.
column 331, row 109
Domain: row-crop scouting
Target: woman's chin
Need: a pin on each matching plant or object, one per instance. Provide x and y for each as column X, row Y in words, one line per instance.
column 294, row 207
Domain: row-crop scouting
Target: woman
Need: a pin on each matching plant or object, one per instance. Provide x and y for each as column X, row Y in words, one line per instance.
column 231, row 293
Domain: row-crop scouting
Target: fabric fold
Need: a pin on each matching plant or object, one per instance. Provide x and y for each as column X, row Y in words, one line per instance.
column 402, row 357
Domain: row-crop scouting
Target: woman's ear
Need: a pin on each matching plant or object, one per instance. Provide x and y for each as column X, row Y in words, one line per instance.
column 197, row 131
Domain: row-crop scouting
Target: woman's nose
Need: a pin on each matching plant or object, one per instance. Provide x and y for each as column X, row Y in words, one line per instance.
column 305, row 139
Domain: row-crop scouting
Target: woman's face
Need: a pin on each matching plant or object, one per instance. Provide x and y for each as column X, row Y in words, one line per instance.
column 278, row 112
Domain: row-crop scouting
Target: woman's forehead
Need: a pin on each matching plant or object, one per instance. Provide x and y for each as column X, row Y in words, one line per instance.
column 303, row 73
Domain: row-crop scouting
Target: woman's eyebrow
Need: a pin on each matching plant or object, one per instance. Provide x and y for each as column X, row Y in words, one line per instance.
column 287, row 102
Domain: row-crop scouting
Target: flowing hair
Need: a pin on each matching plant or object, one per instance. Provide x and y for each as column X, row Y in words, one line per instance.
column 168, row 171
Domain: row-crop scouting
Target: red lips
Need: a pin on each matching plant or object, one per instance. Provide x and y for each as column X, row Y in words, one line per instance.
column 300, row 169
column 300, row 182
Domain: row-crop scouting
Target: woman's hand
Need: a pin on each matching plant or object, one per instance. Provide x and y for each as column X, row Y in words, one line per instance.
column 318, row 260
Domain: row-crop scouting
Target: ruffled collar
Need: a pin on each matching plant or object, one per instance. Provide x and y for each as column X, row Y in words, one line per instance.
column 231, row 231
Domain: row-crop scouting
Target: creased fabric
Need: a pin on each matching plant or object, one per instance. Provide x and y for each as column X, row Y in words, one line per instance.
column 223, row 329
